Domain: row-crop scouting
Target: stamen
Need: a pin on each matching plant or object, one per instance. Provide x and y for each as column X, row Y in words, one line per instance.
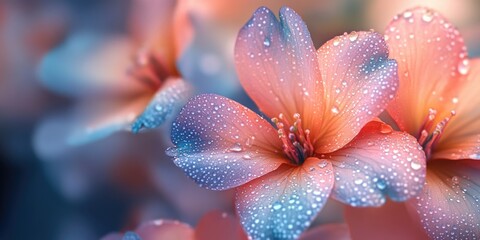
column 430, row 134
column 297, row 145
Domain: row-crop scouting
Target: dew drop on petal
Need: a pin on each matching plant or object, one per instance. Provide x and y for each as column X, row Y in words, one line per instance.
column 381, row 184
column 336, row 41
column 386, row 129
column 407, row 14
column 353, row 36
column 464, row 67
column 415, row 166
column 475, row 156
column 335, row 110
column 427, row 16
column 237, row 147
column 277, row 206
column 172, row 152
column 358, row 181
column 266, row 42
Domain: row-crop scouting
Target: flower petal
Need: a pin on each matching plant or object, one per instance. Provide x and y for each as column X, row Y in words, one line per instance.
column 327, row 232
column 219, row 226
column 221, row 144
column 131, row 236
column 165, row 229
column 377, row 163
column 277, row 65
column 166, row 102
column 430, row 54
column 88, row 64
column 461, row 139
column 283, row 203
column 359, row 81
column 449, row 206
column 390, row 221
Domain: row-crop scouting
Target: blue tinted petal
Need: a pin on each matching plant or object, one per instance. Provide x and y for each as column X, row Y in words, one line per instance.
column 167, row 101
column 131, row 236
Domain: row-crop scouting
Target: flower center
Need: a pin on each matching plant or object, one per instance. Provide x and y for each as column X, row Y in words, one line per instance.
column 149, row 69
column 297, row 145
column 430, row 133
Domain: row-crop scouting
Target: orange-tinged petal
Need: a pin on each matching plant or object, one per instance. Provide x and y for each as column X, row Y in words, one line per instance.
column 449, row 206
column 219, row 226
column 390, row 221
column 377, row 163
column 165, row 229
column 461, row 139
column 327, row 232
column 431, row 56
column 221, row 144
column 359, row 82
column 277, row 65
column 283, row 203
column 151, row 24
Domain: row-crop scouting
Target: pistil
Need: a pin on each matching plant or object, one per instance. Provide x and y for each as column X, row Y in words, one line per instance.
column 148, row 69
column 296, row 141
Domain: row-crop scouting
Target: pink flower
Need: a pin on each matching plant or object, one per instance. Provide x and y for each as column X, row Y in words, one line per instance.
column 216, row 226
column 324, row 142
column 437, row 102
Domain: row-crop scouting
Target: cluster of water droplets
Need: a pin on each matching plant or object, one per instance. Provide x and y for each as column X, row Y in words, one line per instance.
column 360, row 81
column 164, row 104
column 393, row 170
column 450, row 205
column 282, row 206
column 216, row 143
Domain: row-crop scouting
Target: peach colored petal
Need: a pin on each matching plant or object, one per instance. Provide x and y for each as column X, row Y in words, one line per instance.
column 221, row 144
column 165, row 229
column 151, row 24
column 390, row 221
column 219, row 226
column 89, row 64
column 283, row 203
column 431, row 56
column 336, row 231
column 277, row 65
column 449, row 206
column 377, row 163
column 461, row 139
column 359, row 80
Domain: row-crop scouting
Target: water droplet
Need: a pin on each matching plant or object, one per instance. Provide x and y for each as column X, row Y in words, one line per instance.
column 237, row 147
column 358, row 181
column 455, row 180
column 172, row 152
column 415, row 166
column 277, row 206
column 407, row 14
column 336, row 41
column 311, row 169
column 335, row 110
column 323, row 164
column 427, row 16
column 158, row 107
column 247, row 157
column 455, row 100
column 353, row 36
column 317, row 193
column 385, row 128
column 464, row 67
column 475, row 156
column 266, row 42
column 381, row 184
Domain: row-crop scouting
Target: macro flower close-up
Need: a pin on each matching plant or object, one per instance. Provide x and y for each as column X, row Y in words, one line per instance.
column 437, row 103
column 259, row 120
column 325, row 139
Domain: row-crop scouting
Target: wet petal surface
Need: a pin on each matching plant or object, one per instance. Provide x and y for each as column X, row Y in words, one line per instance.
column 359, row 82
column 431, row 63
column 165, row 103
column 449, row 206
column 379, row 162
column 283, row 203
column 221, row 144
column 277, row 65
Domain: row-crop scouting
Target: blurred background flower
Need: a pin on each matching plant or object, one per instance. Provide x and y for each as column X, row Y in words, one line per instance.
column 63, row 62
